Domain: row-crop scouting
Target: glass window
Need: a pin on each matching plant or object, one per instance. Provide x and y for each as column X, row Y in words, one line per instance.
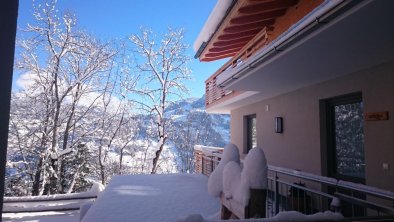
column 251, row 132
column 345, row 137
column 349, row 139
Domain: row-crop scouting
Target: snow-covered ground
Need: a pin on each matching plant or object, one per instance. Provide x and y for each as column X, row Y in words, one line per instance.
column 51, row 216
column 166, row 197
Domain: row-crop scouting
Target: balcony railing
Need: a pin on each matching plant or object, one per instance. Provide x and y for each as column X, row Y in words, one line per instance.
column 309, row 193
column 59, row 202
column 206, row 158
column 215, row 93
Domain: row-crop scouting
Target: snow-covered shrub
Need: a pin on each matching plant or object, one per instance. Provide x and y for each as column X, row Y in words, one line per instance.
column 253, row 176
column 215, row 182
column 231, row 178
column 237, row 182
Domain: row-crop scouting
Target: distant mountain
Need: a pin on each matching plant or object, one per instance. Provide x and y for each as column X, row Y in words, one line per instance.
column 192, row 112
column 191, row 125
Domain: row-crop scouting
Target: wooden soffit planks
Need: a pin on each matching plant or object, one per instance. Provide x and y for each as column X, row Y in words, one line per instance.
column 245, row 20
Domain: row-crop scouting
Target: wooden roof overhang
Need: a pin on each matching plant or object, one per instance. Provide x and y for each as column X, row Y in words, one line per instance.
column 243, row 22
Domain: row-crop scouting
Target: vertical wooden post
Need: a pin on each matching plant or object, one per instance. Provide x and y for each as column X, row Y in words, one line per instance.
column 8, row 19
column 212, row 166
column 225, row 213
column 202, row 165
column 257, row 204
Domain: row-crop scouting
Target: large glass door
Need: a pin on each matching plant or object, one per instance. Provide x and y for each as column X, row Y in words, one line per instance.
column 343, row 155
column 346, row 138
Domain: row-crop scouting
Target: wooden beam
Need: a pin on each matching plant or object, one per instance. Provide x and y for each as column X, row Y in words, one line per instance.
column 216, row 54
column 222, row 50
column 226, row 43
column 267, row 6
column 253, row 1
column 247, row 19
column 209, row 59
column 225, row 48
column 8, row 19
column 234, row 36
column 250, row 26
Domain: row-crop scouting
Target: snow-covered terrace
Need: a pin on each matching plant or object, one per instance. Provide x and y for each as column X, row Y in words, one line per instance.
column 158, row 197
column 165, row 197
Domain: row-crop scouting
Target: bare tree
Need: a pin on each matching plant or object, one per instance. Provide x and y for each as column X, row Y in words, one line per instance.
column 158, row 78
column 65, row 65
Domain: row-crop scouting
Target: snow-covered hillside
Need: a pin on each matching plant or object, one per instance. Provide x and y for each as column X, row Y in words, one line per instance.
column 192, row 111
column 190, row 125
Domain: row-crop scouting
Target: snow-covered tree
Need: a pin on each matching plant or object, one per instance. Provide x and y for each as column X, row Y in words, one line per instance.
column 158, row 78
column 88, row 109
column 65, row 68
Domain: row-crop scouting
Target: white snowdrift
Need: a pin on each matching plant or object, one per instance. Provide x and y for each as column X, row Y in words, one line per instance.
column 237, row 183
column 153, row 198
column 231, row 179
column 51, row 202
column 286, row 216
column 215, row 181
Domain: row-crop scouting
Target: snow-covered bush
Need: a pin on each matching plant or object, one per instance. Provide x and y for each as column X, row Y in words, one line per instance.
column 215, row 182
column 237, row 183
column 231, row 178
column 253, row 176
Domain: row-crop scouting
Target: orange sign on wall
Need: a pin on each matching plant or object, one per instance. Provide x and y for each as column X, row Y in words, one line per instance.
column 376, row 116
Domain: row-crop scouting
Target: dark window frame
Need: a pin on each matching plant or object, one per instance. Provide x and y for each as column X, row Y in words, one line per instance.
column 327, row 134
column 247, row 132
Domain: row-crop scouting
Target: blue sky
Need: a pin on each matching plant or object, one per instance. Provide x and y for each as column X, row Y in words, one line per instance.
column 120, row 18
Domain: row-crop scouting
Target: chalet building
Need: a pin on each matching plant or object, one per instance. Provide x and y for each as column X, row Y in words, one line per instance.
column 309, row 82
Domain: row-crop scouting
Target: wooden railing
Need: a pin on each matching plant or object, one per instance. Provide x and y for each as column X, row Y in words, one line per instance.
column 206, row 158
column 216, row 94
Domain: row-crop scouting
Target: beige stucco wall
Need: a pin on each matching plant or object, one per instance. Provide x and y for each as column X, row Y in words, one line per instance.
column 299, row 146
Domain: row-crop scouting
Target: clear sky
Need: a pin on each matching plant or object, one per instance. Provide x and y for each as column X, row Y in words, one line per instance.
column 109, row 19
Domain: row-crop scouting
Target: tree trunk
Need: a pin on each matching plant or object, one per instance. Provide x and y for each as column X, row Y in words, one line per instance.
column 157, row 156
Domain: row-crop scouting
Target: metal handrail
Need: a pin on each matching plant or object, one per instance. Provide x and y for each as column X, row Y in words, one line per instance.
column 275, row 171
column 386, row 194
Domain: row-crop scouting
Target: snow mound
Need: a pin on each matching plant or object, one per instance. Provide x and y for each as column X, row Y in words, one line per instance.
column 297, row 216
column 83, row 209
column 215, row 181
column 253, row 176
column 254, row 173
column 96, row 188
column 237, row 182
column 192, row 218
column 231, row 177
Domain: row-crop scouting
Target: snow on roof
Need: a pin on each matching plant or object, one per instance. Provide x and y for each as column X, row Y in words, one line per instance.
column 159, row 197
column 214, row 19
